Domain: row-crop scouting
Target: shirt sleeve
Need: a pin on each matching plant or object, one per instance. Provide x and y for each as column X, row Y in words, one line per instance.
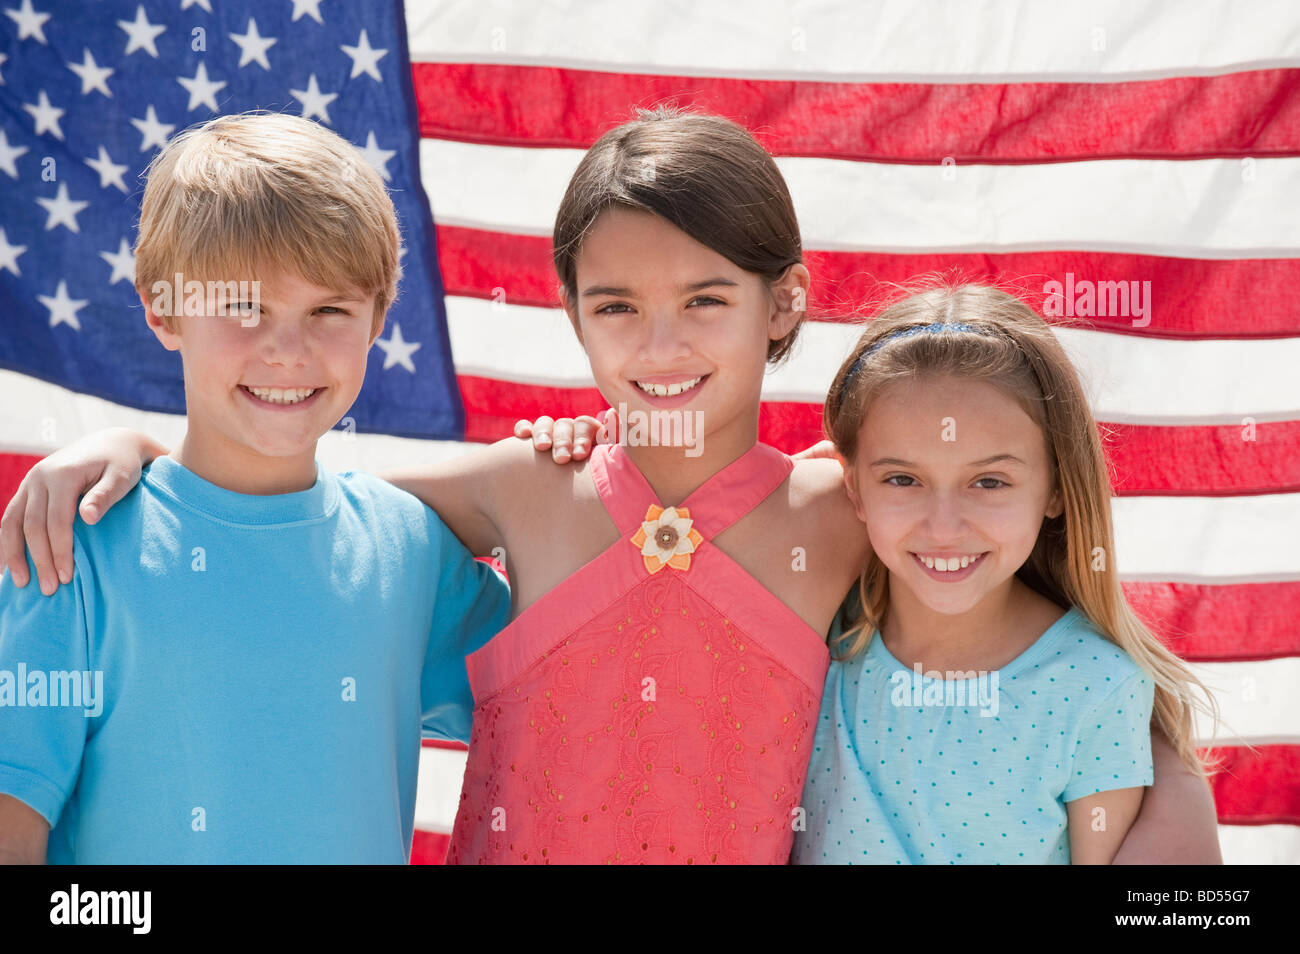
column 44, row 671
column 471, row 605
column 1113, row 749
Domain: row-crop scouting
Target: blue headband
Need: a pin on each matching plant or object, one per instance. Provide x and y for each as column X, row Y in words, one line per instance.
column 937, row 327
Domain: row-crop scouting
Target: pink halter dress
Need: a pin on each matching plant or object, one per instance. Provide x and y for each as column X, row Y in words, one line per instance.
column 657, row 706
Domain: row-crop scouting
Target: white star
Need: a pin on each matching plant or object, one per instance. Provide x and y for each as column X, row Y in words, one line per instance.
column 314, row 102
column 2, row 60
column 253, row 46
column 110, row 173
column 309, row 7
column 376, row 157
column 62, row 210
column 46, row 116
column 92, row 75
column 202, row 90
column 123, row 263
column 364, row 58
column 29, row 21
column 141, row 33
column 398, row 351
column 63, row 310
column 155, row 133
column 186, row 4
column 9, row 254
column 8, row 154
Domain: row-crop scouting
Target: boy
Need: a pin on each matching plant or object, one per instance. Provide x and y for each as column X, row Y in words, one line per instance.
column 241, row 666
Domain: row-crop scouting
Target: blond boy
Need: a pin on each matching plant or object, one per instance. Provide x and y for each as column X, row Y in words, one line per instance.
column 242, row 665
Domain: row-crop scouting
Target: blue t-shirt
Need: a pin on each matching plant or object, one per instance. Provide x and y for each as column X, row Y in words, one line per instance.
column 234, row 678
column 911, row 768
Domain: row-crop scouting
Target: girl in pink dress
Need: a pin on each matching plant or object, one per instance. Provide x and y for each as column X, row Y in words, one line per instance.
column 655, row 695
column 657, row 705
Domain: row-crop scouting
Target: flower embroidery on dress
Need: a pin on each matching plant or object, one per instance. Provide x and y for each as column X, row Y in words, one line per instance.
column 666, row 538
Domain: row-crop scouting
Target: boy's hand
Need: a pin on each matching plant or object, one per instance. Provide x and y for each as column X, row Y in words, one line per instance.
column 103, row 466
column 567, row 438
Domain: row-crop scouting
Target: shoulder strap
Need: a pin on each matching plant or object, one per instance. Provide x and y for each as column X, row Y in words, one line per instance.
column 715, row 505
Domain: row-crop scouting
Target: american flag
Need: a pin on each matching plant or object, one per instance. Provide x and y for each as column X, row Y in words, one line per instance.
column 1130, row 167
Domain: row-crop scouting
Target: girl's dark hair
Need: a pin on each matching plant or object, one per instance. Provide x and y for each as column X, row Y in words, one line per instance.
column 705, row 174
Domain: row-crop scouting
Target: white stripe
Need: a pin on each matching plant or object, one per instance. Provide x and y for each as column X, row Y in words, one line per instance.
column 438, row 791
column 1129, row 379
column 1207, row 539
column 856, row 40
column 1200, row 208
column 59, row 416
column 1259, row 845
column 1256, row 702
column 1190, row 539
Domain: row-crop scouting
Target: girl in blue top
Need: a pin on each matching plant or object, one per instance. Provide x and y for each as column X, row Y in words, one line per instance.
column 992, row 701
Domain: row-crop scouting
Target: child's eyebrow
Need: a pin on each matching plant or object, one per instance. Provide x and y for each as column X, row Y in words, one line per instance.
column 995, row 459
column 617, row 292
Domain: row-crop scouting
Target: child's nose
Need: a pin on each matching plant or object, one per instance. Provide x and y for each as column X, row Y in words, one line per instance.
column 664, row 341
column 944, row 517
column 284, row 343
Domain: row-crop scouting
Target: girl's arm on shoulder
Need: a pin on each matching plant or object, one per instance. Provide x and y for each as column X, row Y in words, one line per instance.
column 1178, row 823
column 819, row 482
column 1099, row 822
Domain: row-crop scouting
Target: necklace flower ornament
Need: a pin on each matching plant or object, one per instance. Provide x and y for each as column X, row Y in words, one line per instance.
column 666, row 538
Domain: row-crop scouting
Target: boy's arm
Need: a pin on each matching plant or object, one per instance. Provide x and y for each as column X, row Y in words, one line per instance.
column 470, row 605
column 104, row 466
column 1178, row 823
column 24, row 834
column 469, row 492
column 42, row 742
column 1099, row 822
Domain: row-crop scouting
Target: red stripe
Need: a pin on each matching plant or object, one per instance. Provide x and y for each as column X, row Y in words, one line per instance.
column 1260, row 787
column 13, row 467
column 1233, row 459
column 1189, row 298
column 1231, row 622
column 1254, row 113
column 429, row 847
column 1145, row 461
column 444, row 744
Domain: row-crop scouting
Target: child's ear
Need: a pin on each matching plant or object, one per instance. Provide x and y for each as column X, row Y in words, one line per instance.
column 171, row 340
column 851, row 488
column 1055, row 505
column 571, row 309
column 790, row 301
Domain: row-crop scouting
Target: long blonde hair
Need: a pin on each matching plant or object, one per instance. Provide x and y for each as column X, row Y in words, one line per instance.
column 985, row 333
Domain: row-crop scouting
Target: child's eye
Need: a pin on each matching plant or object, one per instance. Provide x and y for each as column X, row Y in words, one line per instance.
column 890, row 480
column 993, row 480
column 708, row 300
column 333, row 309
column 607, row 309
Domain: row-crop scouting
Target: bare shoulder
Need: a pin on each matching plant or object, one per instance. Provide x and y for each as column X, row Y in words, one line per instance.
column 817, row 496
column 817, row 487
